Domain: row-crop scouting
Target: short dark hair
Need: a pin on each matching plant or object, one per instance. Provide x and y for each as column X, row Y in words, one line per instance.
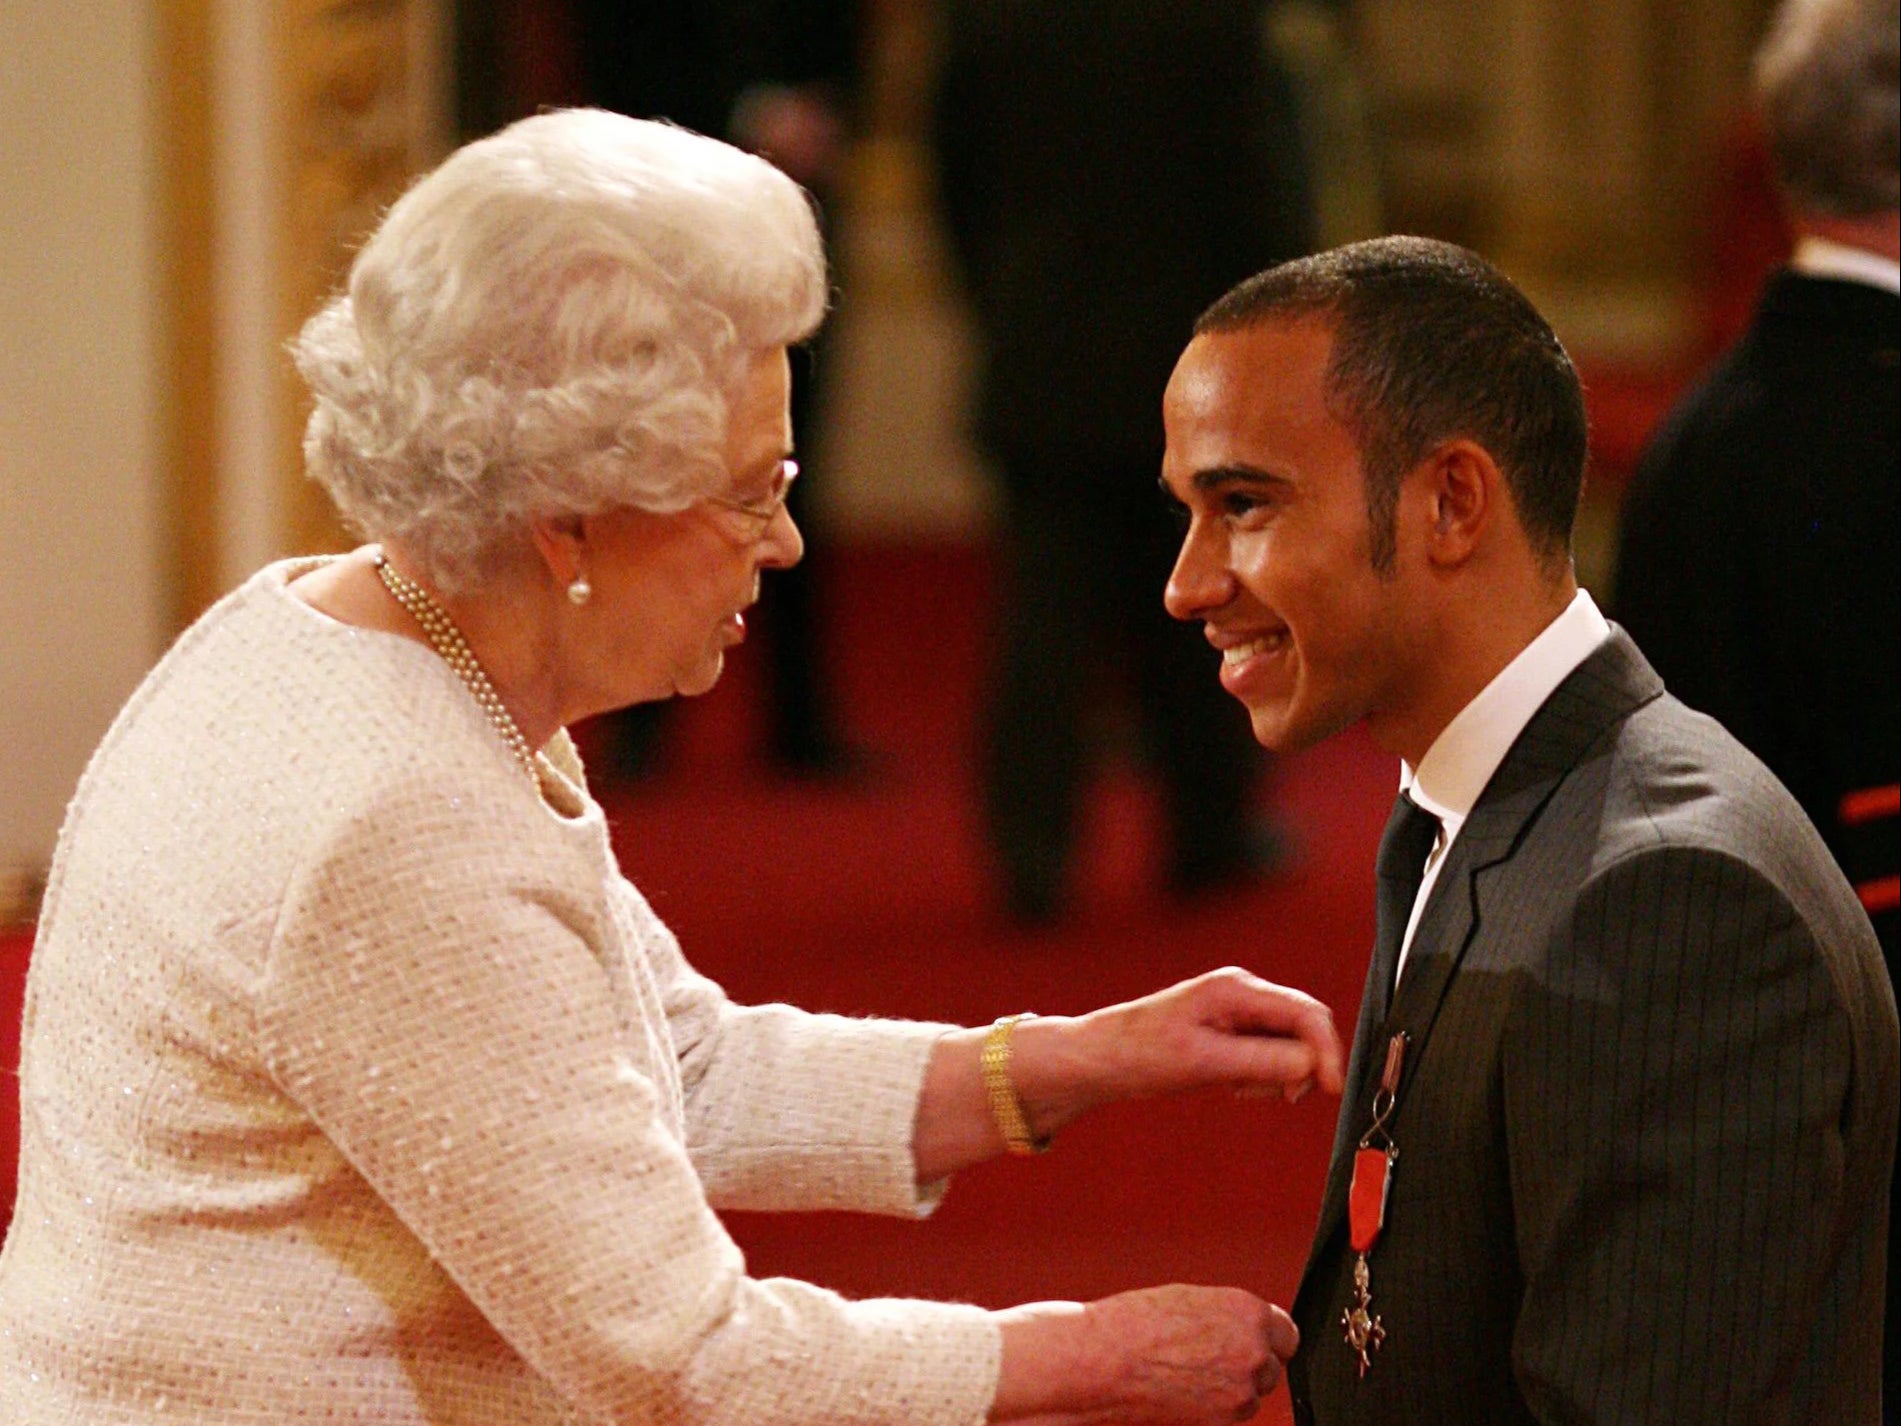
column 1431, row 342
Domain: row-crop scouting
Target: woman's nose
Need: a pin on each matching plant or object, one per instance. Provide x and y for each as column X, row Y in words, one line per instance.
column 784, row 546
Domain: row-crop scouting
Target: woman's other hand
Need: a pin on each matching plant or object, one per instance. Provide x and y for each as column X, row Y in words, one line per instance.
column 1164, row 1356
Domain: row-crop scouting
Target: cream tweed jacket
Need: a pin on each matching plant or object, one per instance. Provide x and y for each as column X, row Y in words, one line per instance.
column 359, row 1086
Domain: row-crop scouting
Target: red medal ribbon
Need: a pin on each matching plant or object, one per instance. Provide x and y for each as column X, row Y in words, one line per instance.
column 1366, row 1200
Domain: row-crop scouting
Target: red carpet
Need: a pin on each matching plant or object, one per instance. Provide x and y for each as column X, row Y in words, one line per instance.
column 873, row 899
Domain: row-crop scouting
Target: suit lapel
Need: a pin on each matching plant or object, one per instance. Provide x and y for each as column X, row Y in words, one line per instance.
column 1602, row 691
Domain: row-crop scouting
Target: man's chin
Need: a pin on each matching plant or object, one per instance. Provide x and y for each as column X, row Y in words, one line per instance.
column 1281, row 729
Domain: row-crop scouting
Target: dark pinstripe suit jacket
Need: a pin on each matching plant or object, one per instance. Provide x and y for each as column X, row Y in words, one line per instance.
column 1648, row 1114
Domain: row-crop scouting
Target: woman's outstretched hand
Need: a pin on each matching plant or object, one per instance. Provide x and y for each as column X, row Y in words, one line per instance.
column 1227, row 1028
column 1163, row 1356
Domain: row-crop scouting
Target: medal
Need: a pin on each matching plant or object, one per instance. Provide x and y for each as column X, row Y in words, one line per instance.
column 1366, row 1208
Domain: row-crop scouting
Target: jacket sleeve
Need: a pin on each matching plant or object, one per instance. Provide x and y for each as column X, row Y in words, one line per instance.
column 788, row 1110
column 1679, row 1081
column 437, row 1001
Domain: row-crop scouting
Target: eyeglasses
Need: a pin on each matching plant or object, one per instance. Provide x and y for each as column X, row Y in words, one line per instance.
column 756, row 515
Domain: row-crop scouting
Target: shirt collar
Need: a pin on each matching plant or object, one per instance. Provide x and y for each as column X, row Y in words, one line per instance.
column 1818, row 257
column 1468, row 751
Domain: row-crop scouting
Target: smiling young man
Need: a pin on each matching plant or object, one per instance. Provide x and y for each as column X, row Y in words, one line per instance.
column 1619, row 1123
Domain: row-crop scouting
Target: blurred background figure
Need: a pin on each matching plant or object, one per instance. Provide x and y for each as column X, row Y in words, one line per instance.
column 1312, row 41
column 1762, row 532
column 1107, row 168
column 776, row 77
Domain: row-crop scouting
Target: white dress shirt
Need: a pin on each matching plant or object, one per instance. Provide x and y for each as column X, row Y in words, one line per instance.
column 1464, row 756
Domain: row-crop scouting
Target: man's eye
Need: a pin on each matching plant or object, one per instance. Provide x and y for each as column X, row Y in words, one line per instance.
column 1239, row 504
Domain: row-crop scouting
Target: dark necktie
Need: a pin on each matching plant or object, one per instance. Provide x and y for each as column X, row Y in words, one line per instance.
column 1408, row 840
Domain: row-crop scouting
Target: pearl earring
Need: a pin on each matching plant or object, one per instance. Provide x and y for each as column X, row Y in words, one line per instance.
column 580, row 591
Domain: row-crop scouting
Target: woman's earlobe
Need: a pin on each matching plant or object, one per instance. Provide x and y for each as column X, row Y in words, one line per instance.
column 561, row 541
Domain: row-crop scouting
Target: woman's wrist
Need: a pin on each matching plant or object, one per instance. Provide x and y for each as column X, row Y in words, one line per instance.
column 958, row 1123
column 1056, row 1070
column 1052, row 1362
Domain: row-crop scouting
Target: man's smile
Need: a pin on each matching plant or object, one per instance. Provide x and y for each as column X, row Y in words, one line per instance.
column 1254, row 663
column 1234, row 654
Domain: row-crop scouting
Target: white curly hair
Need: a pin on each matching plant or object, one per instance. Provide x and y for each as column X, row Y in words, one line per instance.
column 550, row 323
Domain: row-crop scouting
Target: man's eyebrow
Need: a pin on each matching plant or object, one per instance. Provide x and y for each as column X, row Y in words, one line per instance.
column 1235, row 475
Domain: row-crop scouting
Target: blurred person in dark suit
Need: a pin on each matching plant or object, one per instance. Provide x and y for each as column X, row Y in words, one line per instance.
column 777, row 78
column 1762, row 531
column 1620, row 1111
column 1760, row 538
column 1107, row 167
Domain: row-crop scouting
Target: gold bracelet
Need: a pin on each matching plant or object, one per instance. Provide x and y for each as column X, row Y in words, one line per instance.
column 1005, row 1107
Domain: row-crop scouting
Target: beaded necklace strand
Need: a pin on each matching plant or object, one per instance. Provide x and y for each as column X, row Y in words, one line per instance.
column 447, row 641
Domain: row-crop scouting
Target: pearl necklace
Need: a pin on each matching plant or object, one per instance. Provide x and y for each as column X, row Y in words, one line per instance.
column 447, row 641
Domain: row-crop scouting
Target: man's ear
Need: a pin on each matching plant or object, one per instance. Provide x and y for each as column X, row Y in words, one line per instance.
column 1465, row 491
column 561, row 541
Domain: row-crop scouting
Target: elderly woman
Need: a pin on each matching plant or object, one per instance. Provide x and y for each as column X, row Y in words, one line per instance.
column 358, row 1085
